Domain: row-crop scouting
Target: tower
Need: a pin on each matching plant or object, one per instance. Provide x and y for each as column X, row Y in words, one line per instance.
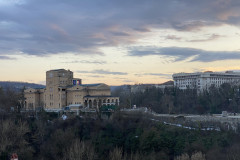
column 56, row 84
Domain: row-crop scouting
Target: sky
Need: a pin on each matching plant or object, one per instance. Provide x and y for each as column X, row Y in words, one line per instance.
column 117, row 41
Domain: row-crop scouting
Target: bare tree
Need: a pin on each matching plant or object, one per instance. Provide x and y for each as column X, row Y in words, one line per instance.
column 12, row 137
column 182, row 157
column 116, row 154
column 195, row 156
column 79, row 150
column 198, row 156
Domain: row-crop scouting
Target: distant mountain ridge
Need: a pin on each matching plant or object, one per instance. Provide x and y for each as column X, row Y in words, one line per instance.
column 19, row 85
column 128, row 86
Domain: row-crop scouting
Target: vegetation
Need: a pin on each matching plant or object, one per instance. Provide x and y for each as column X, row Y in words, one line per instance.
column 105, row 108
column 174, row 100
column 119, row 138
column 9, row 98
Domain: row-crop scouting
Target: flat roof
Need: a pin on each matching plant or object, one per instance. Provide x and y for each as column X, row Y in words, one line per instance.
column 91, row 85
column 100, row 96
column 57, row 69
column 86, row 85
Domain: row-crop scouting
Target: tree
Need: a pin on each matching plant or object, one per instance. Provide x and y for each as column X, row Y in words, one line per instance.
column 116, row 154
column 13, row 138
column 80, row 150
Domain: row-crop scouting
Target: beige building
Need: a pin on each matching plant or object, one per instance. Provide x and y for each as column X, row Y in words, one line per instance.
column 63, row 90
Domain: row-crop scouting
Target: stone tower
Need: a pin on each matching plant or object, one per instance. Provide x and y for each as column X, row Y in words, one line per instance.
column 56, row 84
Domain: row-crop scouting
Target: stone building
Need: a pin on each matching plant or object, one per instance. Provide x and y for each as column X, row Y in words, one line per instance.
column 63, row 90
column 204, row 80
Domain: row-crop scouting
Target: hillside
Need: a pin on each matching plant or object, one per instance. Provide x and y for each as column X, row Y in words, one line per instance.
column 19, row 85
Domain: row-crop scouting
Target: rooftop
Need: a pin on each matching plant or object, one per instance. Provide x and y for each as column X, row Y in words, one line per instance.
column 57, row 69
column 91, row 85
column 85, row 85
column 98, row 96
column 209, row 72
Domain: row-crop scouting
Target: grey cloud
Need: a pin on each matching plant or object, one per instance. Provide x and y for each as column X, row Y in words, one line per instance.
column 142, row 29
column 96, row 76
column 88, row 62
column 100, row 71
column 173, row 37
column 123, row 79
column 128, row 81
column 6, row 58
column 120, row 34
column 41, row 27
column 181, row 54
column 157, row 74
column 162, row 75
column 209, row 38
column 189, row 26
column 109, row 72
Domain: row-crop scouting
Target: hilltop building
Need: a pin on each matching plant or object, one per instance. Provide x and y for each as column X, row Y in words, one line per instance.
column 63, row 90
column 204, row 80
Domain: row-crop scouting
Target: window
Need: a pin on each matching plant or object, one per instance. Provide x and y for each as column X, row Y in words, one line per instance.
column 50, row 75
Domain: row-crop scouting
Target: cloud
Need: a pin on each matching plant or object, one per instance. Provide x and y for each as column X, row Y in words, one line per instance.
column 182, row 54
column 209, row 38
column 100, row 71
column 157, row 74
column 194, row 25
column 120, row 34
column 96, row 76
column 42, row 27
column 142, row 29
column 51, row 26
column 6, row 58
column 162, row 75
column 123, row 79
column 87, row 62
column 128, row 81
column 173, row 37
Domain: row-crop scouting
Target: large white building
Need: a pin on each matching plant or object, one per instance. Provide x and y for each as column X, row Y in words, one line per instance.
column 204, row 80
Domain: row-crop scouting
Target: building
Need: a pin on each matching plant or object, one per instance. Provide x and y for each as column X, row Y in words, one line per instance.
column 204, row 80
column 63, row 90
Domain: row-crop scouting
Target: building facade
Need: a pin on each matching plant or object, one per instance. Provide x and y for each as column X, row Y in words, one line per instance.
column 63, row 90
column 204, row 80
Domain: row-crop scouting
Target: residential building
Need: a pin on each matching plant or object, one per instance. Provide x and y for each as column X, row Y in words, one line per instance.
column 204, row 80
column 62, row 90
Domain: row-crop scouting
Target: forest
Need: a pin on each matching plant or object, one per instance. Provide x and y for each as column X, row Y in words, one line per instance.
column 41, row 135
column 189, row 101
column 117, row 138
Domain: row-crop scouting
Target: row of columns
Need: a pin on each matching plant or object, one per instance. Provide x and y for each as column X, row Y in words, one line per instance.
column 98, row 102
